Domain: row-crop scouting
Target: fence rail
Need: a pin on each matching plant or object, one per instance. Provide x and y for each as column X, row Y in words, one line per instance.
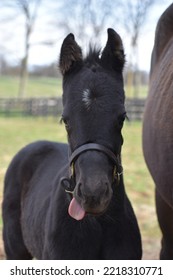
column 45, row 107
column 135, row 108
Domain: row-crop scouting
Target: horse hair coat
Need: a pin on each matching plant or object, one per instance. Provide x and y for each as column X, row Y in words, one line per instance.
column 158, row 128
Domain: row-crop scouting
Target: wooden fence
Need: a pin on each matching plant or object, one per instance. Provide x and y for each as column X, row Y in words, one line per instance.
column 135, row 108
column 45, row 107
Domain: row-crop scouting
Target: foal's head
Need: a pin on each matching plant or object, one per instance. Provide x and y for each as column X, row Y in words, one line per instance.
column 94, row 112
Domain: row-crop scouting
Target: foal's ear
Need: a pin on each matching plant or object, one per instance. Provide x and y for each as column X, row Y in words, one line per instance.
column 70, row 55
column 113, row 54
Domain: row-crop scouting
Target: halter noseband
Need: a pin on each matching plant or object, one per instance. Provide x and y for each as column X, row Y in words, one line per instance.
column 118, row 170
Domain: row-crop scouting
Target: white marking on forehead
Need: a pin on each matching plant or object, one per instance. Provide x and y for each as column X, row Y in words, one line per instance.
column 86, row 98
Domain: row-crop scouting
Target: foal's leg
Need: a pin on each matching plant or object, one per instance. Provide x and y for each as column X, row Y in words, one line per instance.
column 12, row 234
column 165, row 218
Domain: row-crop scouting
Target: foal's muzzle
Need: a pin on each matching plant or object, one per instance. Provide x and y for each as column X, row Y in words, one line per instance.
column 115, row 159
column 83, row 198
column 69, row 184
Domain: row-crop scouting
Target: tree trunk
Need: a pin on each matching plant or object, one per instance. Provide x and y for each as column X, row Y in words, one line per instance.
column 30, row 20
column 23, row 77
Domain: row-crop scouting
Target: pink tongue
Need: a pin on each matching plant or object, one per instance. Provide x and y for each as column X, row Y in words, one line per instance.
column 75, row 210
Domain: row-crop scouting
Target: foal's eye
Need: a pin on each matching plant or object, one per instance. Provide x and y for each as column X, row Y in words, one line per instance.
column 64, row 120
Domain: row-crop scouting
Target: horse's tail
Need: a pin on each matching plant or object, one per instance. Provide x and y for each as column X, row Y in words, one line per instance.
column 163, row 34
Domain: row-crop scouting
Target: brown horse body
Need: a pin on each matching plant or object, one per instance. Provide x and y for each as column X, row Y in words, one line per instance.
column 158, row 128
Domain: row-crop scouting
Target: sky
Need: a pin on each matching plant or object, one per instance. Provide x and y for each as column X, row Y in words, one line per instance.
column 146, row 40
column 12, row 46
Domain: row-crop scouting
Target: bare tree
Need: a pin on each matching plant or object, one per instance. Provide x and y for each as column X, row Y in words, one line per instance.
column 135, row 15
column 22, row 16
column 87, row 18
column 12, row 12
column 30, row 14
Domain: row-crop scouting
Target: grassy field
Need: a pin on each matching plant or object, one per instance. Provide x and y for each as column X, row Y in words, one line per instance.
column 45, row 87
column 16, row 133
column 36, row 87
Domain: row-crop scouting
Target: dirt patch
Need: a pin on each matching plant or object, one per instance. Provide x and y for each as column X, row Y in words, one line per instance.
column 150, row 231
column 2, row 254
column 151, row 249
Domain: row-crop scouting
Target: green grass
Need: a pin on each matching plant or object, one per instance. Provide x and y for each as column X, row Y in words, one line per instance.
column 133, row 160
column 142, row 91
column 46, row 87
column 16, row 133
column 36, row 87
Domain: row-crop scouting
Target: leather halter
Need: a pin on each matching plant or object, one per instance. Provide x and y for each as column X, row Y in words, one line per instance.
column 118, row 170
column 69, row 184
